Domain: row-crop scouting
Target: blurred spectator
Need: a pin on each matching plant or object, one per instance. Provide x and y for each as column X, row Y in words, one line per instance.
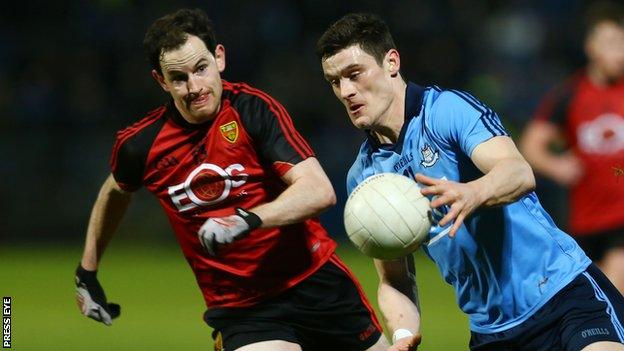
column 584, row 119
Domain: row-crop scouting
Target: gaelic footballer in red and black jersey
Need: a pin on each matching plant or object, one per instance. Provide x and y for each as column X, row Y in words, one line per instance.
column 207, row 170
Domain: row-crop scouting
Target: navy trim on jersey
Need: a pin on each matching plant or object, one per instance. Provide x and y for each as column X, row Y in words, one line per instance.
column 487, row 115
column 414, row 94
column 424, row 113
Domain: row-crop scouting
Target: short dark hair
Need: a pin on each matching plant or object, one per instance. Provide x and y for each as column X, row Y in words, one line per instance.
column 603, row 11
column 171, row 31
column 367, row 30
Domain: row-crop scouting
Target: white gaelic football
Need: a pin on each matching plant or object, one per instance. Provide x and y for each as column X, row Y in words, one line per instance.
column 386, row 216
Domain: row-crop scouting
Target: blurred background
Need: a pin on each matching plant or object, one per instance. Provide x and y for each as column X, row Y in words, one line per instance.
column 72, row 73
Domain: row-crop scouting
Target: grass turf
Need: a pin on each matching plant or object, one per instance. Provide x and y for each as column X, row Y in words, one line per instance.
column 161, row 304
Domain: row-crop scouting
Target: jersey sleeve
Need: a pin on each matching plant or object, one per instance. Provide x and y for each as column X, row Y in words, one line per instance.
column 461, row 120
column 127, row 164
column 355, row 176
column 352, row 179
column 553, row 107
column 273, row 132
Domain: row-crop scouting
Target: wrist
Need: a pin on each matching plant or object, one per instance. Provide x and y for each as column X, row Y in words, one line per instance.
column 400, row 334
column 86, row 276
column 482, row 190
column 252, row 219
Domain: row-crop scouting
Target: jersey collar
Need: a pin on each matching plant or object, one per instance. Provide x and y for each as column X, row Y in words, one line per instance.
column 413, row 103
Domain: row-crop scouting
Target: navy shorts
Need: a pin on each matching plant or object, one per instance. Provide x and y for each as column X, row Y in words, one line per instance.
column 597, row 245
column 326, row 311
column 588, row 310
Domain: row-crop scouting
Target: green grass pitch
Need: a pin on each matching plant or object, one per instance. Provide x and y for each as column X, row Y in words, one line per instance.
column 161, row 304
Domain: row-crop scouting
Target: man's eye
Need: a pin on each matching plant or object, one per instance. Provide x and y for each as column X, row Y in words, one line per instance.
column 354, row 75
column 334, row 82
column 202, row 68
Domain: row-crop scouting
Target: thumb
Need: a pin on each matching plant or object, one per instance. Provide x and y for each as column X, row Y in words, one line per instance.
column 114, row 310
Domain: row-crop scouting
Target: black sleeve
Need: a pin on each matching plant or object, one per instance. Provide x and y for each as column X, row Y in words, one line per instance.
column 128, row 165
column 554, row 107
column 270, row 126
column 129, row 156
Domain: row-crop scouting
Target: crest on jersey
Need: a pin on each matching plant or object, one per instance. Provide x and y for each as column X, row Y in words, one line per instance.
column 429, row 156
column 229, row 131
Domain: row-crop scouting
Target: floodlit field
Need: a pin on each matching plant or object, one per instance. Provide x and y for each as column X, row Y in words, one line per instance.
column 161, row 305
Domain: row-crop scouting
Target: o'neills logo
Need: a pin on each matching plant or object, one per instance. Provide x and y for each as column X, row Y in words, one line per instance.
column 206, row 185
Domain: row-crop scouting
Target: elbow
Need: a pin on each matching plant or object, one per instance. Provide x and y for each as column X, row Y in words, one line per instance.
column 324, row 195
column 331, row 199
column 328, row 197
column 529, row 179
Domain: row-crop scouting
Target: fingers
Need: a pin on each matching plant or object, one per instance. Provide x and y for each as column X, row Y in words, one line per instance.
column 92, row 309
column 206, row 238
column 457, row 197
column 452, row 214
column 457, row 214
column 80, row 303
column 457, row 224
column 99, row 314
column 425, row 180
column 432, row 186
column 220, row 231
column 445, row 199
column 206, row 235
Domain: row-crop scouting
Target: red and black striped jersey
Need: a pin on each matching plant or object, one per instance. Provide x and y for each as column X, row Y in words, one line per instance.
column 592, row 118
column 207, row 170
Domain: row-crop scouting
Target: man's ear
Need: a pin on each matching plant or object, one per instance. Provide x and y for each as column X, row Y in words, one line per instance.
column 160, row 80
column 392, row 61
column 220, row 57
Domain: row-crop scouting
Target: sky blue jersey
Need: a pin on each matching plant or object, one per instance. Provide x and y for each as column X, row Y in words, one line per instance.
column 505, row 262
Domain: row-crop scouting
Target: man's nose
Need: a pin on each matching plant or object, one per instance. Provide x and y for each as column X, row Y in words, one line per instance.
column 347, row 88
column 193, row 85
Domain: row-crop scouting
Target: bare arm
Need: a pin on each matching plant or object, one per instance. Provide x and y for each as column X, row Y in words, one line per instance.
column 109, row 208
column 308, row 194
column 398, row 295
column 507, row 177
column 538, row 137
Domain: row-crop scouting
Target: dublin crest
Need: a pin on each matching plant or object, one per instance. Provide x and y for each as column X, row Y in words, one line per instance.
column 430, row 157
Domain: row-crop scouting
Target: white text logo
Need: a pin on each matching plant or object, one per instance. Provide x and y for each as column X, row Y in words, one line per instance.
column 206, row 185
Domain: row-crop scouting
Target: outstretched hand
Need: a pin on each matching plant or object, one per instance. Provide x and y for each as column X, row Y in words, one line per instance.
column 462, row 198
column 91, row 299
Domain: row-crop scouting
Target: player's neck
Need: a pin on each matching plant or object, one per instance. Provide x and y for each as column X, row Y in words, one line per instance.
column 599, row 78
column 393, row 119
column 193, row 119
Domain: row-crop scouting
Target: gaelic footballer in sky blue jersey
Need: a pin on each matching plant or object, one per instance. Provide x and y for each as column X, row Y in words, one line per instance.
column 499, row 255
column 524, row 284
